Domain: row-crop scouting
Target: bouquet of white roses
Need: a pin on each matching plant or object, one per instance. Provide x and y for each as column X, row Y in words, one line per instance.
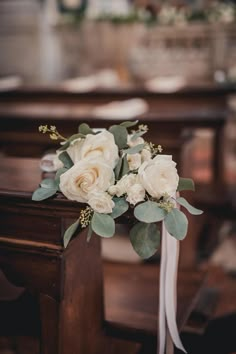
column 113, row 171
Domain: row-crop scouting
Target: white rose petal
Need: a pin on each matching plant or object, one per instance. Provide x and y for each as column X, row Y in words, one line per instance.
column 135, row 194
column 101, row 145
column 134, row 161
column 159, row 176
column 101, row 202
column 85, row 177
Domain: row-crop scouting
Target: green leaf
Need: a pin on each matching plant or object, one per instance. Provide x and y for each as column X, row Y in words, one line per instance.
column 121, row 206
column 118, row 168
column 48, row 183
column 90, row 232
column 103, row 225
column 125, row 167
column 43, row 193
column 70, row 232
column 120, row 135
column 70, row 140
column 176, row 224
column 135, row 149
column 182, row 201
column 129, row 124
column 85, row 129
column 185, row 184
column 149, row 212
column 145, row 239
column 59, row 173
column 65, row 159
column 137, row 135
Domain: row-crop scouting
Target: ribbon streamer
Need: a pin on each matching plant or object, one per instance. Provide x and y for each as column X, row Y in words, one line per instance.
column 168, row 291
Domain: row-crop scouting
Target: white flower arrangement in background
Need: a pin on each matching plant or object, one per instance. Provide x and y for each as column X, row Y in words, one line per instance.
column 113, row 171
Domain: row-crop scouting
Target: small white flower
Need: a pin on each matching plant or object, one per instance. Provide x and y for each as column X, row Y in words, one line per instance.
column 101, row 202
column 134, row 161
column 123, row 185
column 135, row 194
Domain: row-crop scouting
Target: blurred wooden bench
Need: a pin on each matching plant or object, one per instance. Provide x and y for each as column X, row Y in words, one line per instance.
column 75, row 313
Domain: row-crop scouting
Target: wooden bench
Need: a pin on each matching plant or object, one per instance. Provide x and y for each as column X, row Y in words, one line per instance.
column 74, row 312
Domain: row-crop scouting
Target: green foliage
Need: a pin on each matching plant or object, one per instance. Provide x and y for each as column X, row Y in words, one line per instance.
column 182, row 201
column 85, row 129
column 149, row 212
column 122, row 168
column 137, row 135
column 64, row 157
column 103, row 225
column 90, row 232
column 121, row 206
column 145, row 239
column 70, row 232
column 134, row 150
column 70, row 140
column 59, row 173
column 176, row 224
column 129, row 124
column 120, row 135
column 43, row 193
column 48, row 183
column 185, row 184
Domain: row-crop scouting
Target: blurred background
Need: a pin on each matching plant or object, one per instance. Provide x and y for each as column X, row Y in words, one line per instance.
column 169, row 63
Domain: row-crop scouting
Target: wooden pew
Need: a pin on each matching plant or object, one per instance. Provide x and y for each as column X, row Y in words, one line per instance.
column 172, row 119
column 75, row 313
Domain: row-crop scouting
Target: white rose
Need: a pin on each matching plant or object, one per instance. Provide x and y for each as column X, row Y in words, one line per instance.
column 135, row 194
column 101, row 202
column 134, row 161
column 85, row 177
column 135, row 142
column 159, row 176
column 123, row 185
column 101, row 145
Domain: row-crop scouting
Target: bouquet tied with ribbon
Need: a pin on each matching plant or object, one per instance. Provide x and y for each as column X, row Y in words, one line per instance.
column 115, row 172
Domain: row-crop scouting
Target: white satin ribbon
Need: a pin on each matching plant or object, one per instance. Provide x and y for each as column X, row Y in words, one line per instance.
column 168, row 291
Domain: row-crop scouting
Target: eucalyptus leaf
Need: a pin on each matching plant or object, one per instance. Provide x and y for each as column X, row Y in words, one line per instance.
column 85, row 129
column 59, row 173
column 149, row 212
column 120, row 135
column 137, row 135
column 64, row 157
column 70, row 140
column 118, row 168
column 185, row 184
column 129, row 124
column 134, row 150
column 48, row 183
column 176, row 224
column 103, row 225
column 70, row 232
column 121, row 206
column 90, row 232
column 182, row 201
column 43, row 193
column 125, row 167
column 145, row 239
